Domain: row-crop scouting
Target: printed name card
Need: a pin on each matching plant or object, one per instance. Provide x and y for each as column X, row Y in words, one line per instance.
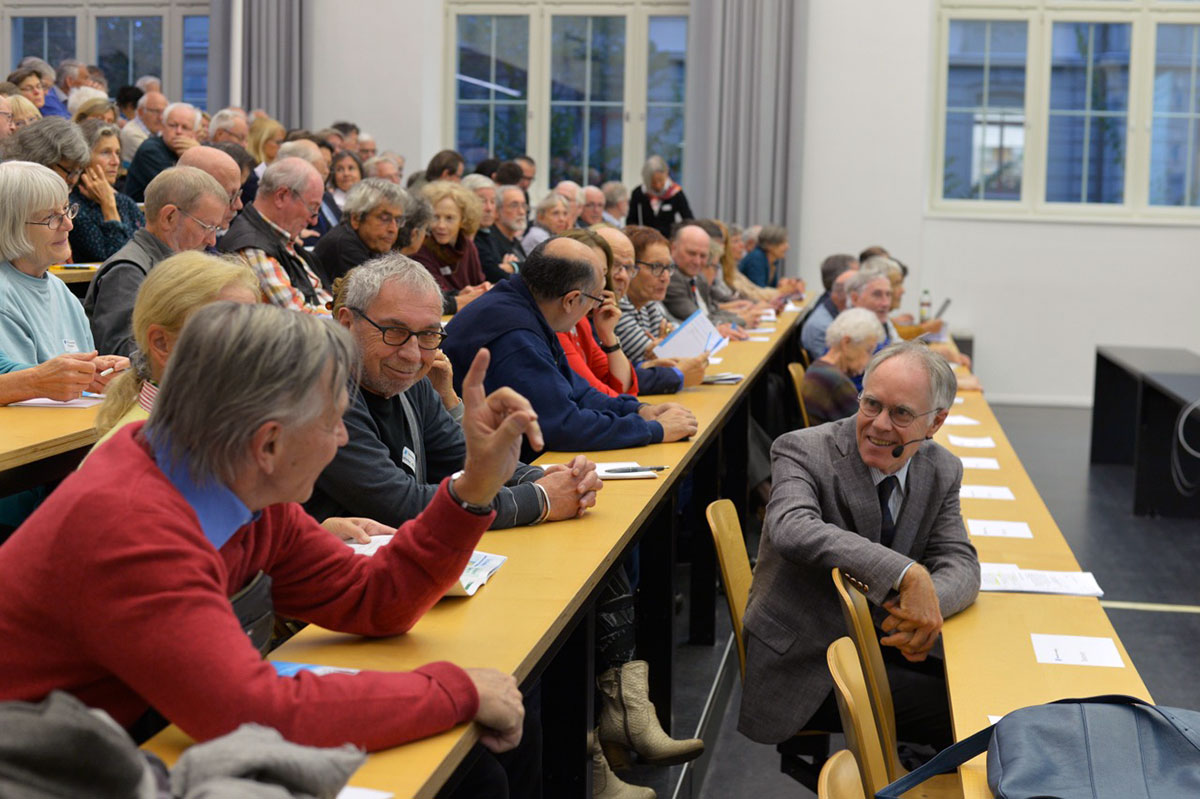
column 998, row 529
column 985, row 492
column 980, row 463
column 958, row 419
column 983, row 442
column 1076, row 650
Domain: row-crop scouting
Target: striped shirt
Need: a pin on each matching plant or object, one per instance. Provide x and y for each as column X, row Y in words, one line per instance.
column 638, row 327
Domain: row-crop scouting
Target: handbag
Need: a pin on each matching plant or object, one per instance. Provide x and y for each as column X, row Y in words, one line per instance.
column 1102, row 747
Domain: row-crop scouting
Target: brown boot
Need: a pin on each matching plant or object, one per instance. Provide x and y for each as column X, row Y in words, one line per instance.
column 628, row 721
column 605, row 784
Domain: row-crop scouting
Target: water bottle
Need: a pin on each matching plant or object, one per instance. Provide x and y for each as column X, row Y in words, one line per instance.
column 926, row 305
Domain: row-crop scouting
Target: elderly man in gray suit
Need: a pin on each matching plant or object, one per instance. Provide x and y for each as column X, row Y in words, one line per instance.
column 873, row 496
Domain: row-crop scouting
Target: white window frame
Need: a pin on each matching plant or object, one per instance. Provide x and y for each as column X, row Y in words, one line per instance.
column 637, row 44
column 1040, row 15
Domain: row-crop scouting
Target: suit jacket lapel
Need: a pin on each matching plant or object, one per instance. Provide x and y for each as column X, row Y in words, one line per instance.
column 856, row 489
column 917, row 488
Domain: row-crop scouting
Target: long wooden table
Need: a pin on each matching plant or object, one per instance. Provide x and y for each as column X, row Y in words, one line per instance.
column 536, row 605
column 42, row 444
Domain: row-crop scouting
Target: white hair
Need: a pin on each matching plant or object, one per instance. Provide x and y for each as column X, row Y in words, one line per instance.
column 82, row 95
column 943, row 385
column 474, row 182
column 880, row 265
column 173, row 107
column 370, row 193
column 862, row 277
column 224, row 120
column 362, row 284
column 287, row 172
column 25, row 187
column 858, row 324
column 304, row 149
column 146, row 80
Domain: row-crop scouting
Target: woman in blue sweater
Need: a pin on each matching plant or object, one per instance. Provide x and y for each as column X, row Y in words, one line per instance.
column 760, row 264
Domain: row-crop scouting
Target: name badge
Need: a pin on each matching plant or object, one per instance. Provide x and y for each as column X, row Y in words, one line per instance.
column 446, row 270
column 69, row 345
column 409, row 458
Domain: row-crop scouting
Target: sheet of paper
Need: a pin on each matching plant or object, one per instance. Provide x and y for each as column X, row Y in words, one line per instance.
column 768, row 315
column 761, row 330
column 959, row 419
column 1008, row 577
column 605, row 471
column 991, row 720
column 958, row 400
column 369, row 549
column 758, row 338
column 985, row 492
column 713, row 359
column 693, row 336
column 999, row 529
column 479, row 570
column 42, row 402
column 286, row 668
column 792, row 307
column 1076, row 650
column 723, row 379
column 980, row 463
column 983, row 442
column 350, row 792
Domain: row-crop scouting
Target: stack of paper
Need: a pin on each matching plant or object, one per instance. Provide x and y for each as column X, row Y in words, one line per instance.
column 41, row 402
column 723, row 378
column 480, row 567
column 1009, row 577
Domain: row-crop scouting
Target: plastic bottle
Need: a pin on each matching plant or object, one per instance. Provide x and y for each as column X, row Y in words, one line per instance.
column 926, row 305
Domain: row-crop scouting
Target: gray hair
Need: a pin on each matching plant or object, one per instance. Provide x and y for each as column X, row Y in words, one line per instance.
column 548, row 202
column 362, row 284
column 25, row 187
column 94, row 130
column 40, row 66
column 369, row 166
column 859, row 324
column 880, row 266
column 771, row 235
column 862, row 277
column 182, row 187
column 833, row 266
column 475, row 181
column 173, row 107
column 364, row 136
column 224, row 120
column 370, row 193
column 237, row 367
column 418, row 213
column 568, row 184
column 751, row 234
column 48, row 141
column 654, row 164
column 146, row 80
column 304, row 149
column 288, row 173
column 81, row 96
column 943, row 385
column 69, row 65
column 615, row 193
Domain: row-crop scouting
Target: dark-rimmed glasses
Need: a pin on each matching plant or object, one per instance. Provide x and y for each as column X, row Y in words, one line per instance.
column 656, row 269
column 399, row 336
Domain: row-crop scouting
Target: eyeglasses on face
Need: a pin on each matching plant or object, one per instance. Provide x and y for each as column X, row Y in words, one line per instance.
column 627, row 268
column 598, row 300
column 57, row 221
column 69, row 174
column 399, row 336
column 312, row 208
column 900, row 415
column 212, row 230
column 656, row 269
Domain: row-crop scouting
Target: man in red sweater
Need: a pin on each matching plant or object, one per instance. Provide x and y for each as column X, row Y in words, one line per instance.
column 117, row 588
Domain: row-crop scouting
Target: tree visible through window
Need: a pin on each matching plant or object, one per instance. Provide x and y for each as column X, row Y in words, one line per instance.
column 492, row 81
column 48, row 38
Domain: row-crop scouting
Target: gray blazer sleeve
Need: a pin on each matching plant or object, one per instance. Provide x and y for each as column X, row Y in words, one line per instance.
column 678, row 301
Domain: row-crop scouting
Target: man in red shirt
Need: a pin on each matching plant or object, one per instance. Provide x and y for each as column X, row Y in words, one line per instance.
column 117, row 588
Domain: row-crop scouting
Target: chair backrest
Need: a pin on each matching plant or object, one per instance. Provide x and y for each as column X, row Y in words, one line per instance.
column 796, row 370
column 735, row 566
column 858, row 722
column 861, row 629
column 839, row 778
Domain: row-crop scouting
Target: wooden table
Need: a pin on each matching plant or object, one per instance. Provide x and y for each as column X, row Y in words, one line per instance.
column 536, row 610
column 42, row 444
column 77, row 277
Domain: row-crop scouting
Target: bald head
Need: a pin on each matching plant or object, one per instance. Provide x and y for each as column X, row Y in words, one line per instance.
column 222, row 167
column 622, row 247
column 560, row 273
column 150, row 109
column 689, row 249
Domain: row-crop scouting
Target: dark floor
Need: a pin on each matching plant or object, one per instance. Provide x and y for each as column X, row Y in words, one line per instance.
column 1135, row 559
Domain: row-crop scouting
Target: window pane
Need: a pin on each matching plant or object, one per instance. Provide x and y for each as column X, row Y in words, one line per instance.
column 195, row 61
column 48, row 38
column 985, row 111
column 587, row 92
column 605, row 137
column 666, row 81
column 568, row 59
column 664, row 135
column 1089, row 93
column 1171, row 147
column 566, row 143
column 608, row 59
column 128, row 48
column 1173, row 156
column 492, row 82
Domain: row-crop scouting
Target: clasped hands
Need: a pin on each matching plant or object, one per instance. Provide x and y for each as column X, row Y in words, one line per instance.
column 914, row 619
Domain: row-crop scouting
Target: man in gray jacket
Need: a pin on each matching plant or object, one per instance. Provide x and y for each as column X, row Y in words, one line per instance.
column 184, row 209
column 688, row 291
column 404, row 421
column 873, row 496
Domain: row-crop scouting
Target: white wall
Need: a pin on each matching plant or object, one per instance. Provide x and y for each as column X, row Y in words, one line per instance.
column 379, row 63
column 1039, row 296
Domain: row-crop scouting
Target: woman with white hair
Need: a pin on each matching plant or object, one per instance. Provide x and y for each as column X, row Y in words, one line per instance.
column 828, row 387
column 659, row 202
column 552, row 217
column 39, row 317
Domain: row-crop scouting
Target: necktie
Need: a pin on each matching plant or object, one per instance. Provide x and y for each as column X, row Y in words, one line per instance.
column 887, row 528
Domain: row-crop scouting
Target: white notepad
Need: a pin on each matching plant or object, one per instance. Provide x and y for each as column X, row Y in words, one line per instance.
column 985, row 492
column 998, row 529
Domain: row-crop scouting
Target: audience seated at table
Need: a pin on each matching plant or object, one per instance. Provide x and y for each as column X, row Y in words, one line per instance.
column 835, row 271
column 53, row 142
column 742, row 287
column 64, row 377
column 344, row 172
column 659, row 202
column 500, row 250
column 181, row 129
column 842, row 499
column 828, row 386
column 761, row 264
column 184, row 209
column 107, row 218
column 448, row 252
column 495, row 259
column 722, row 293
column 264, row 235
column 147, row 122
column 688, row 291
column 552, row 217
column 371, row 221
column 519, row 319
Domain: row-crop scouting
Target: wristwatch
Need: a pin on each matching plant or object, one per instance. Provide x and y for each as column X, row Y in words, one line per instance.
column 613, row 348
column 478, row 510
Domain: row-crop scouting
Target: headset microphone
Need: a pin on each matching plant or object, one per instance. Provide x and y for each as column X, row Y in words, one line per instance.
column 898, row 450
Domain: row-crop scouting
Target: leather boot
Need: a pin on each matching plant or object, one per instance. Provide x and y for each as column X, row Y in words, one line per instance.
column 628, row 721
column 605, row 784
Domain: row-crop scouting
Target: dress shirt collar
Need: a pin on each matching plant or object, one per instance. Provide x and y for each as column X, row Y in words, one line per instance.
column 877, row 476
column 220, row 512
column 146, row 396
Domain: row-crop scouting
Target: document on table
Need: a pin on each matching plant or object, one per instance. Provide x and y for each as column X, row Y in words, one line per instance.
column 605, row 471
column 768, row 316
column 350, row 792
column 286, row 668
column 479, row 569
column 980, row 463
column 958, row 400
column 42, row 402
column 985, row 492
column 758, row 338
column 1009, row 577
column 762, row 330
column 983, row 442
column 1076, row 650
column 695, row 335
column 959, row 419
column 723, row 379
column 792, row 307
column 998, row 529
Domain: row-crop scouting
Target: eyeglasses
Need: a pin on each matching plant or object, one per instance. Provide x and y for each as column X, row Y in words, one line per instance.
column 70, row 175
column 399, row 336
column 386, row 219
column 56, row 221
column 6, row 115
column 656, row 269
column 212, row 230
column 900, row 416
column 234, row 196
column 629, row 269
column 310, row 207
column 598, row 300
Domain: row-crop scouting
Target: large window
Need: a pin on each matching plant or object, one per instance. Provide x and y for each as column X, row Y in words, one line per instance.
column 589, row 91
column 195, row 60
column 48, row 38
column 129, row 47
column 1056, row 108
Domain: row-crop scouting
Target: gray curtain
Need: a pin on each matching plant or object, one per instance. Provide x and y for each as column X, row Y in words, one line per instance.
column 745, row 104
column 271, row 57
column 219, row 31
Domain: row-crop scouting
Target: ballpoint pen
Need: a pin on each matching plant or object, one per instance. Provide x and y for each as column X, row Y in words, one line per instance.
column 633, row 469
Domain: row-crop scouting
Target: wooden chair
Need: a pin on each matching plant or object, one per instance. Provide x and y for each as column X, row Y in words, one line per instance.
column 796, row 370
column 877, row 693
column 736, row 575
column 858, row 723
column 839, row 778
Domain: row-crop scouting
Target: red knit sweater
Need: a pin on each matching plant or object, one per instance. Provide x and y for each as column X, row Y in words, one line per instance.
column 110, row 591
column 591, row 363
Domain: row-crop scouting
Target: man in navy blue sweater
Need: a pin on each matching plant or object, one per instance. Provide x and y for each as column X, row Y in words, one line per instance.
column 517, row 321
